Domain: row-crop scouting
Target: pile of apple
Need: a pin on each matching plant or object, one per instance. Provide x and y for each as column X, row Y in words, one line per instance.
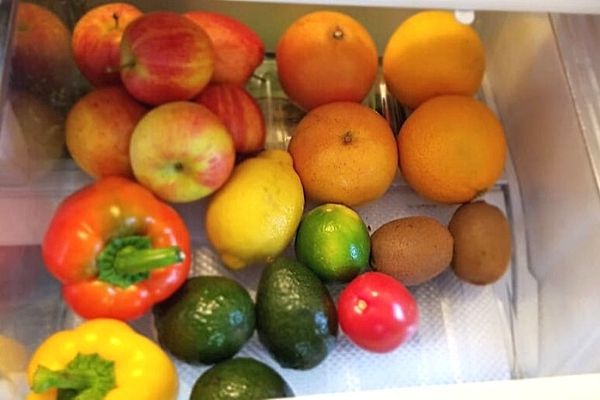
column 168, row 106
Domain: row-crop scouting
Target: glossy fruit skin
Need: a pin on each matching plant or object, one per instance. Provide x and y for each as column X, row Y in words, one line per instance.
column 96, row 40
column 295, row 315
column 326, row 56
column 377, row 312
column 165, row 57
column 181, row 151
column 208, row 320
column 238, row 49
column 239, row 112
column 333, row 241
column 86, row 222
column 241, row 379
column 141, row 367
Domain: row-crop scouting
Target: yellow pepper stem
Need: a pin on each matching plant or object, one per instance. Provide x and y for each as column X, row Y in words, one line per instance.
column 87, row 376
column 45, row 379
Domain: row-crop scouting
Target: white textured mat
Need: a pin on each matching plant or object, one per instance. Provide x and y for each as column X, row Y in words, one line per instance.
column 463, row 335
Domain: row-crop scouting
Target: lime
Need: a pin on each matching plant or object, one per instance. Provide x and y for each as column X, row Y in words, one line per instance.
column 333, row 241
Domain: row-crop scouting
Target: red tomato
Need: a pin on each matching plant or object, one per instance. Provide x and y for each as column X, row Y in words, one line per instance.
column 377, row 312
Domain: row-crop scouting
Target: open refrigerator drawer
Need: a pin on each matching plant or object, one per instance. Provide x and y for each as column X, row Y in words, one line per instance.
column 536, row 321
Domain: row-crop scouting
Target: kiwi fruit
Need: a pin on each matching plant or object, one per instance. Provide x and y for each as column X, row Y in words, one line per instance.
column 412, row 250
column 482, row 243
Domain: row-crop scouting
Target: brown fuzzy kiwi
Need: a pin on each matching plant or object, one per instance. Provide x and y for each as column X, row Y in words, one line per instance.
column 413, row 249
column 482, row 243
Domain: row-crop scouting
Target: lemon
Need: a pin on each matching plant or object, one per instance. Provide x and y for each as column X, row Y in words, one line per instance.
column 253, row 217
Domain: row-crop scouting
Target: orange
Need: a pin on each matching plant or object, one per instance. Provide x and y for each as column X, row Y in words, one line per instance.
column 452, row 148
column 432, row 54
column 344, row 152
column 324, row 57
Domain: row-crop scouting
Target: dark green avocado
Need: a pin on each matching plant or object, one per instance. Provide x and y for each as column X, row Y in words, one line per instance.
column 207, row 320
column 296, row 317
column 240, row 379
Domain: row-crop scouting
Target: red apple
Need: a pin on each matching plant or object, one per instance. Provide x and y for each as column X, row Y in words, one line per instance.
column 42, row 54
column 96, row 41
column 239, row 112
column 165, row 57
column 42, row 131
column 99, row 128
column 238, row 49
column 181, row 151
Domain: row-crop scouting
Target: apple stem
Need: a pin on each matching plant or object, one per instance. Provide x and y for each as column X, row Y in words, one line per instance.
column 260, row 78
column 116, row 18
column 127, row 65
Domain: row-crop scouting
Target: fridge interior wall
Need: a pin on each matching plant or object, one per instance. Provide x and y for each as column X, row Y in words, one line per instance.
column 527, row 85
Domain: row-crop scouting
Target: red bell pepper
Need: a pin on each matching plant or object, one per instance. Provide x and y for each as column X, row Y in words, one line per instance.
column 117, row 249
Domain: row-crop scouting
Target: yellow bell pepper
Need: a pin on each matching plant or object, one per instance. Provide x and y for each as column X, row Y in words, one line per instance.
column 102, row 359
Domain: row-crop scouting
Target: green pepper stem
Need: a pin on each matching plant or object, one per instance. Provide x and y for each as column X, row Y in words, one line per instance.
column 127, row 260
column 144, row 260
column 87, row 376
column 45, row 379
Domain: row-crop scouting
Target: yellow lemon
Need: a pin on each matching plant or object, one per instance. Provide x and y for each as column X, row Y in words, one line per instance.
column 253, row 217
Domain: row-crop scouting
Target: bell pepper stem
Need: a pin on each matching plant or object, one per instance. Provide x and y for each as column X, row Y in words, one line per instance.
column 127, row 260
column 45, row 379
column 87, row 376
column 144, row 260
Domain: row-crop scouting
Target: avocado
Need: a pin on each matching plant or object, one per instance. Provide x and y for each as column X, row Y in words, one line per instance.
column 207, row 320
column 296, row 317
column 241, row 379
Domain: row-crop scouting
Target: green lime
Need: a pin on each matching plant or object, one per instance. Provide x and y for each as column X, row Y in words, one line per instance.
column 207, row 320
column 333, row 241
column 240, row 379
